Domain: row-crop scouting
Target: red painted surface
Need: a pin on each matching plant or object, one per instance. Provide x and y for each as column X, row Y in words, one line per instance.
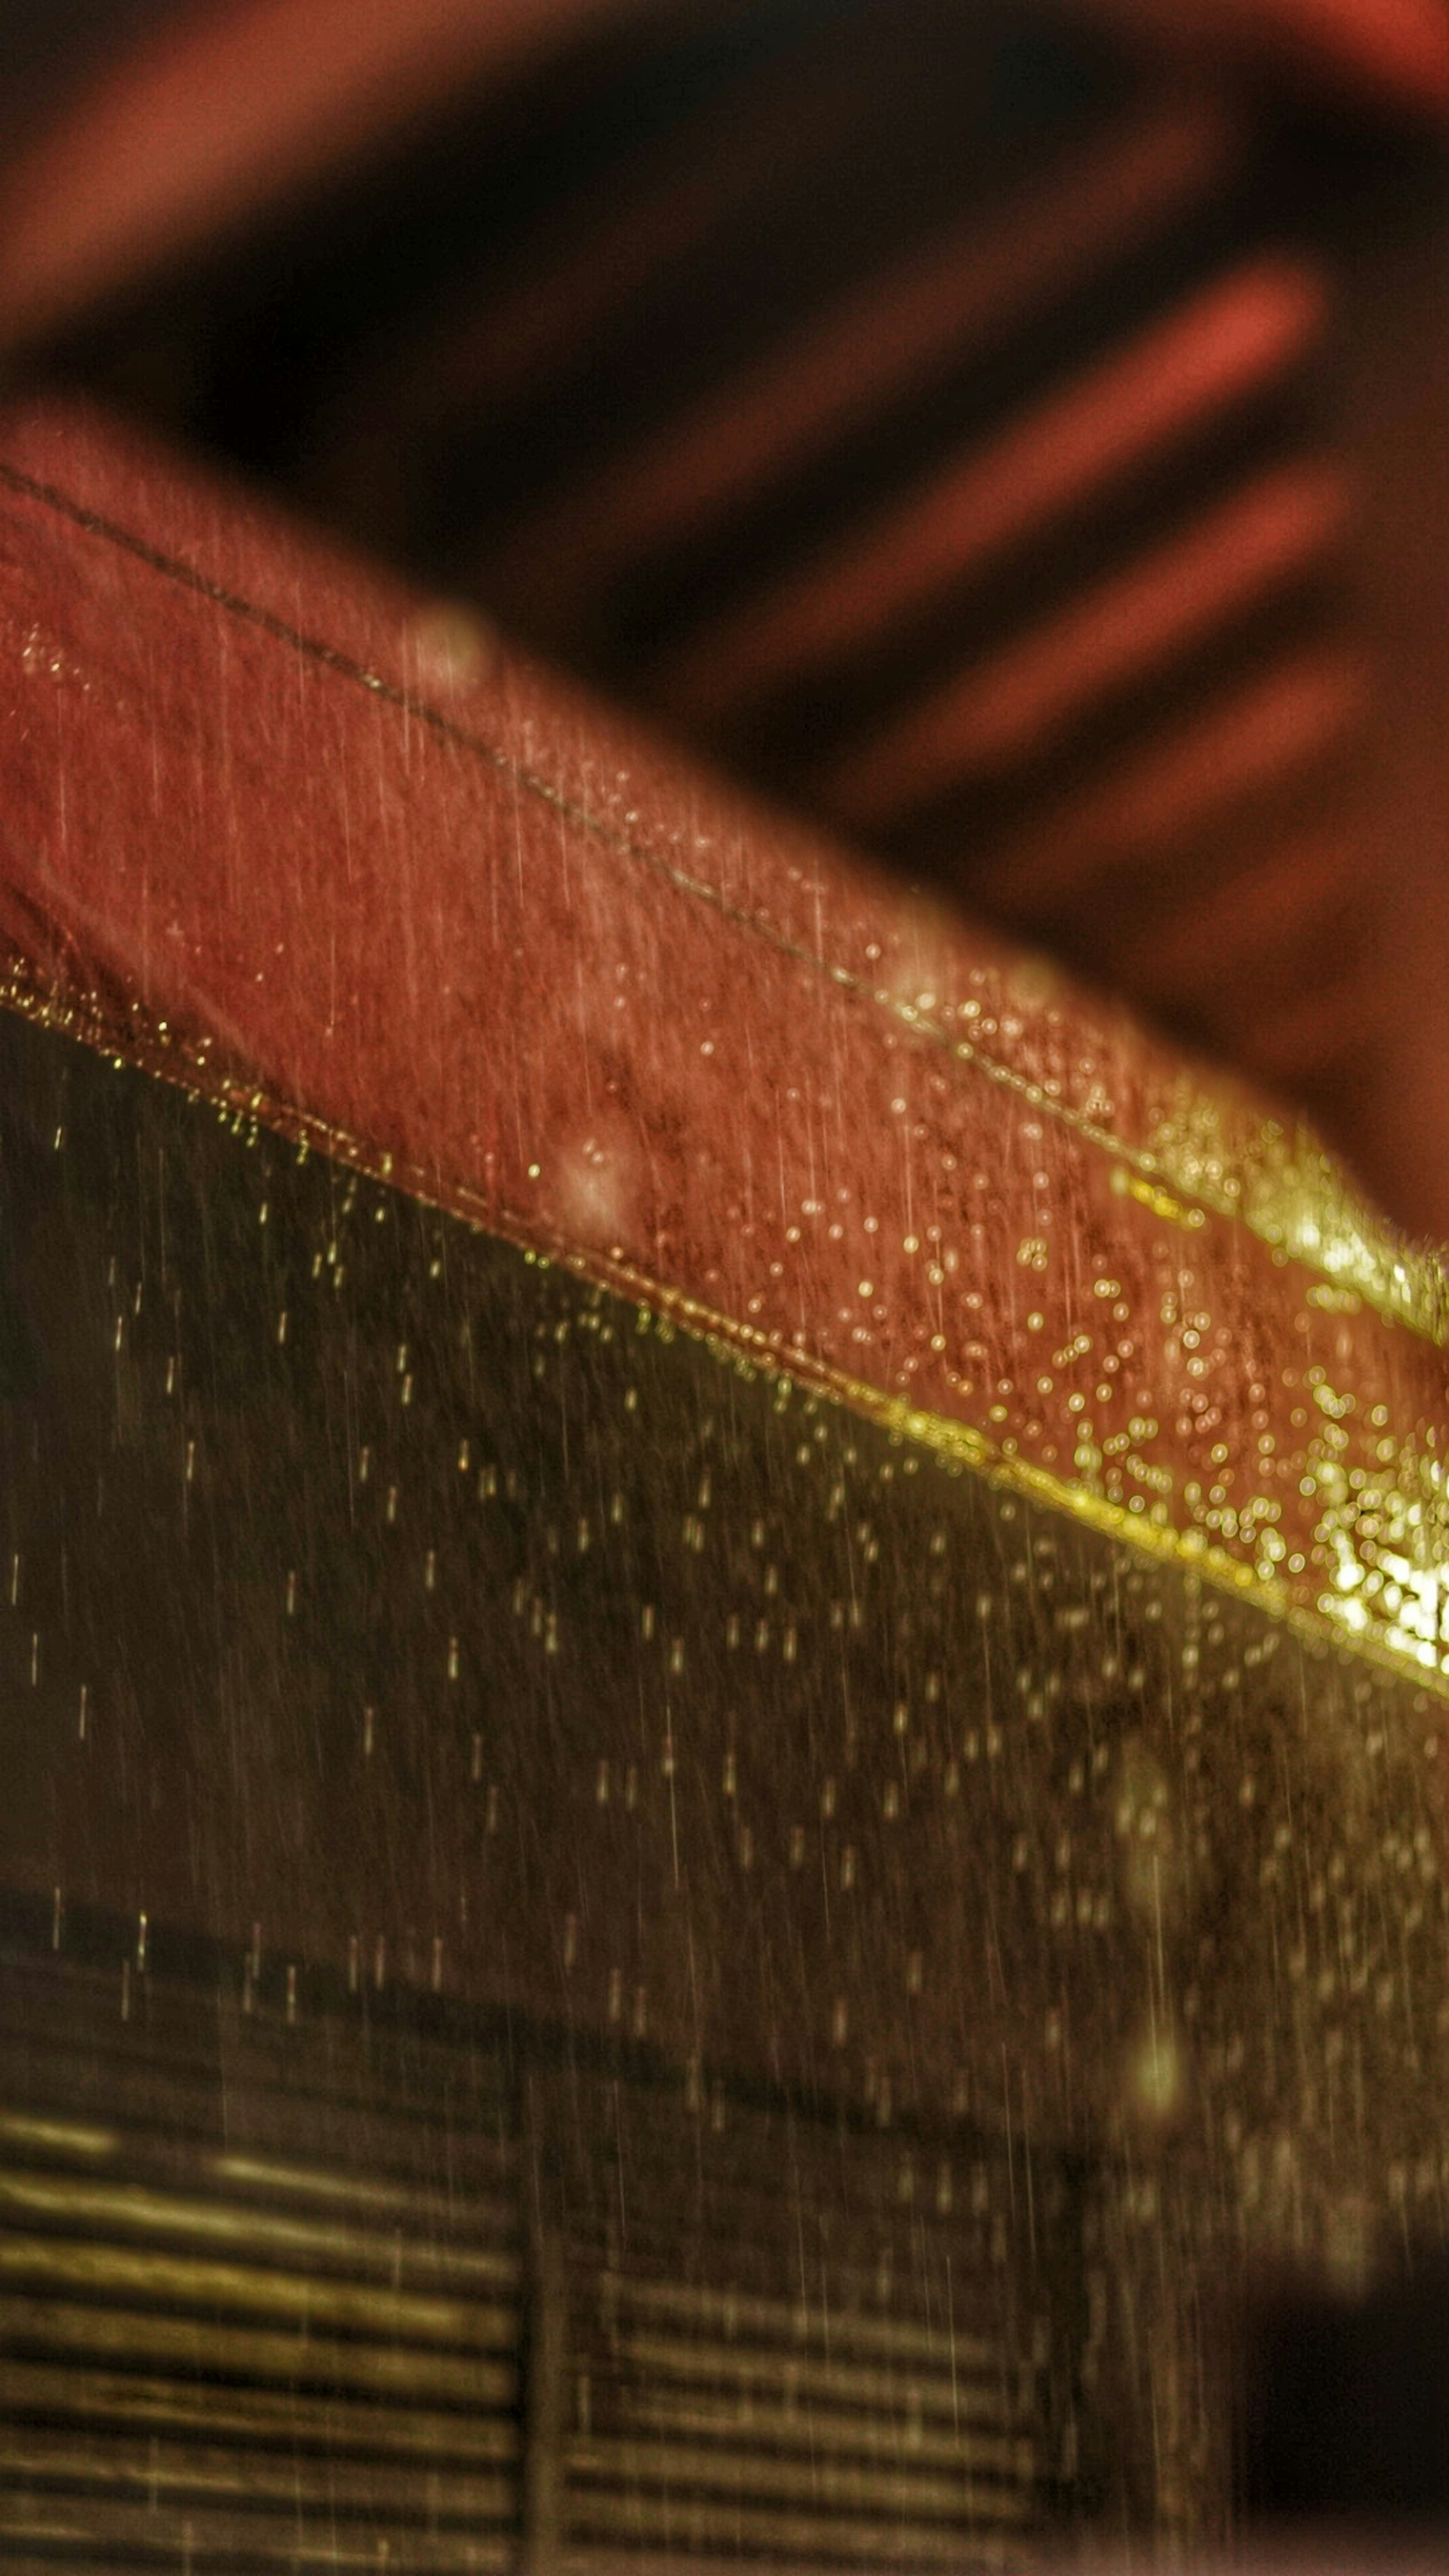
column 494, row 940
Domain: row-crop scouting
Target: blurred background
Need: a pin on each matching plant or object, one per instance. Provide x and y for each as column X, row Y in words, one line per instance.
column 1013, row 435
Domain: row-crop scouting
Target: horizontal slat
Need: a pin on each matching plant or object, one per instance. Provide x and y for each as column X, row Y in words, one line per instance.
column 786, row 2321
column 175, row 2475
column 757, row 2474
column 670, row 2358
column 110, row 2537
column 645, row 2521
column 50, row 2264
column 129, row 2403
column 898, row 2279
column 40, row 2329
column 814, row 2429
column 313, row 2248
column 352, row 2156
column 909, row 2294
column 44, row 2148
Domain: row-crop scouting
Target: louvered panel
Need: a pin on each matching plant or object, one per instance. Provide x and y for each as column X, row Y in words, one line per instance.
column 237, row 2332
column 266, row 2300
column 705, row 2417
column 850, row 2369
